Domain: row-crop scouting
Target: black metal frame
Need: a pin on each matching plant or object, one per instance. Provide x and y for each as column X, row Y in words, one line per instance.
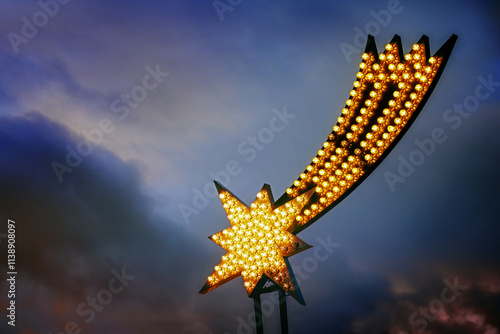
column 259, row 319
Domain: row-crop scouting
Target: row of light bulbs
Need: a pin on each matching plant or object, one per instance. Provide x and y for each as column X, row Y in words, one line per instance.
column 384, row 97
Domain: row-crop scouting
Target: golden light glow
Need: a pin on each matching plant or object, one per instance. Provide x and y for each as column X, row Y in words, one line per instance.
column 258, row 242
column 389, row 91
column 384, row 97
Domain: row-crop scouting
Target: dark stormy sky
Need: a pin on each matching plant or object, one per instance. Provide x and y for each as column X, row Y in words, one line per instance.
column 111, row 236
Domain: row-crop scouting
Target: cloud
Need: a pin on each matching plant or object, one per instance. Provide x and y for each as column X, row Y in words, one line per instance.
column 71, row 235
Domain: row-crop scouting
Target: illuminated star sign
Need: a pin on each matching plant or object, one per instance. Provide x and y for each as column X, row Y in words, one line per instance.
column 258, row 242
column 388, row 94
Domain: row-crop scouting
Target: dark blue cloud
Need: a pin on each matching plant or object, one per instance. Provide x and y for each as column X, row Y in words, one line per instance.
column 72, row 234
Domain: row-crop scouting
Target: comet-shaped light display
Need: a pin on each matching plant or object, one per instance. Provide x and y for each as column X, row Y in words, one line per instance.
column 388, row 94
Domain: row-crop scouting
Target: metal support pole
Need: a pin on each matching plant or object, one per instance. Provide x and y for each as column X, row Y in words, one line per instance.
column 259, row 323
column 283, row 315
